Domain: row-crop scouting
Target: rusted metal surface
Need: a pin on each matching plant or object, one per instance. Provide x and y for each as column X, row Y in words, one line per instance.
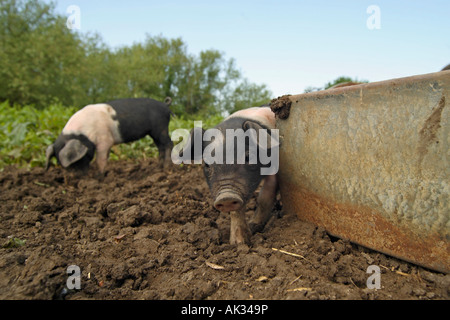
column 369, row 163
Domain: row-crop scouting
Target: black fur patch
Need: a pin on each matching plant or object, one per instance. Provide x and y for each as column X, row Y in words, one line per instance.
column 140, row 117
column 83, row 163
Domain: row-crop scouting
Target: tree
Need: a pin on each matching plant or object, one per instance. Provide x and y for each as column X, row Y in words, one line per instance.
column 39, row 59
column 204, row 80
column 342, row 79
column 42, row 61
column 152, row 68
column 330, row 84
column 246, row 95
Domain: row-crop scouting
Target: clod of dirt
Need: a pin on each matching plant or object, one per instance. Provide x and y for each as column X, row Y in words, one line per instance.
column 281, row 106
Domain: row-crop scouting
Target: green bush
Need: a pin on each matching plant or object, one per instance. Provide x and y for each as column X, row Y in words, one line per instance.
column 41, row 59
column 26, row 132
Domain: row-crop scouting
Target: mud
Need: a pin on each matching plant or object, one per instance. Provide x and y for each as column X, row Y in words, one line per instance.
column 281, row 107
column 146, row 234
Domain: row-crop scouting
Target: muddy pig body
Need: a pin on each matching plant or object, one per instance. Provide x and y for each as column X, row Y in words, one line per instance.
column 97, row 127
column 232, row 183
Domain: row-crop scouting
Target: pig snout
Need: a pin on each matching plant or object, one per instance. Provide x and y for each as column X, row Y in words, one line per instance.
column 228, row 201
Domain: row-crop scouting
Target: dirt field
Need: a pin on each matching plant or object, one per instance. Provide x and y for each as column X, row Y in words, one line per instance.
column 146, row 234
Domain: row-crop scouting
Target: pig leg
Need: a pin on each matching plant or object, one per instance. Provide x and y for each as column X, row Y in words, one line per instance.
column 164, row 144
column 168, row 155
column 102, row 157
column 265, row 202
column 161, row 152
column 239, row 232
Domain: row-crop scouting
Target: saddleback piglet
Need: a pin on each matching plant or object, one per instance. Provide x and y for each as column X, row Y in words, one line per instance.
column 97, row 127
column 240, row 169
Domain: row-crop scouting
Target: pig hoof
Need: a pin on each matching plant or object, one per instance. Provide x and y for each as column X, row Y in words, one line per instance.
column 240, row 240
column 101, row 176
column 240, row 236
column 168, row 168
column 255, row 227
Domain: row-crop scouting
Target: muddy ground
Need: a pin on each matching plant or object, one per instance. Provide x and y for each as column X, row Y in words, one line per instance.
column 146, row 234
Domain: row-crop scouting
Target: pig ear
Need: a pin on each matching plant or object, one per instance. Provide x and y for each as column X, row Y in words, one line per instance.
column 272, row 141
column 188, row 150
column 73, row 151
column 48, row 155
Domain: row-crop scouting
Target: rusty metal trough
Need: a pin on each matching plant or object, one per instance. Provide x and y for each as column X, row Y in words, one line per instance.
column 369, row 163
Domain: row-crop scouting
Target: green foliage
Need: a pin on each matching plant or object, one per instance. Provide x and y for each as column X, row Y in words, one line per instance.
column 330, row 84
column 52, row 71
column 13, row 243
column 342, row 80
column 146, row 148
column 26, row 132
column 246, row 95
column 41, row 61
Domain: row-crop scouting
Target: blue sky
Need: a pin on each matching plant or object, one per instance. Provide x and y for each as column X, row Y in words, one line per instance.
column 287, row 45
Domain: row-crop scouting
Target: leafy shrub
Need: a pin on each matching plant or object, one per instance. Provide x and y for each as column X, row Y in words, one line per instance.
column 26, row 132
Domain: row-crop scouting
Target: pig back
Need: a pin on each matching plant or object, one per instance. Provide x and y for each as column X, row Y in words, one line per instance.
column 262, row 114
column 95, row 122
column 139, row 117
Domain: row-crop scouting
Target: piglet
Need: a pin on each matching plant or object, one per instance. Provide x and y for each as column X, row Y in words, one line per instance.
column 237, row 155
column 97, row 127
